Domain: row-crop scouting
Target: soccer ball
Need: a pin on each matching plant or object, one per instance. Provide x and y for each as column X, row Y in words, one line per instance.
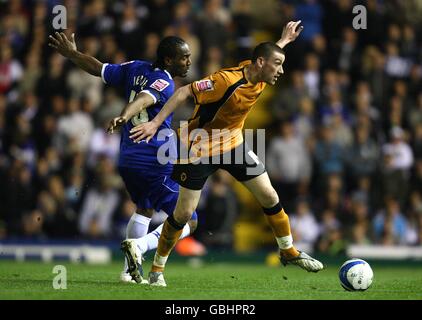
column 356, row 275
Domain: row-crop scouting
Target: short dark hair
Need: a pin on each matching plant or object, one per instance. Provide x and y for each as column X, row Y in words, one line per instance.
column 265, row 49
column 167, row 48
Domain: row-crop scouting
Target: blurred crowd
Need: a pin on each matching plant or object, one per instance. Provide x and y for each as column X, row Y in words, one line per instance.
column 344, row 144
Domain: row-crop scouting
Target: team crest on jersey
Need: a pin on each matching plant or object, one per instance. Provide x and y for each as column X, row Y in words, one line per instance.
column 160, row 85
column 204, row 85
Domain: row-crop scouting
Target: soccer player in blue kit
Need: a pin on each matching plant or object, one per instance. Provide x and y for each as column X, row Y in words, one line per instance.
column 146, row 179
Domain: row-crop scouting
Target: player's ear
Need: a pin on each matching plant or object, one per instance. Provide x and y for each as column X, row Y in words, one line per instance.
column 260, row 62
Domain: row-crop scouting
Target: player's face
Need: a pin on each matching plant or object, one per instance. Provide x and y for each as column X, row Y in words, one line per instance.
column 272, row 68
column 181, row 63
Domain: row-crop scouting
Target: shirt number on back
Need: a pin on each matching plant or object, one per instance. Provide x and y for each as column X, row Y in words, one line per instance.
column 142, row 116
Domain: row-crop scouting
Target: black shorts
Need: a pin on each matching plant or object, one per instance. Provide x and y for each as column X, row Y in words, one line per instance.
column 241, row 162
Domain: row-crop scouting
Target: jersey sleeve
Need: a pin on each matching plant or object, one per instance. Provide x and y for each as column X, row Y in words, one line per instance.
column 159, row 87
column 115, row 74
column 209, row 89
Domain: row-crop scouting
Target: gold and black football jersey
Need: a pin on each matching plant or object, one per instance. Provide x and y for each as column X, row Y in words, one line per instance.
column 222, row 103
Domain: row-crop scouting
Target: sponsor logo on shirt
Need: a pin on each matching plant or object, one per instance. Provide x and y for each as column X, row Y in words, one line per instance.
column 159, row 85
column 204, row 85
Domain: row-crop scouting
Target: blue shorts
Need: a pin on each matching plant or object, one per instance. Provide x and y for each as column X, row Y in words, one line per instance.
column 151, row 189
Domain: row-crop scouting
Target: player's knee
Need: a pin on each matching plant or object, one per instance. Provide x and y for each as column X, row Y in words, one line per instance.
column 182, row 216
column 269, row 198
column 193, row 224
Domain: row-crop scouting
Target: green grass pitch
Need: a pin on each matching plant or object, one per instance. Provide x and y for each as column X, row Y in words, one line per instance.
column 220, row 281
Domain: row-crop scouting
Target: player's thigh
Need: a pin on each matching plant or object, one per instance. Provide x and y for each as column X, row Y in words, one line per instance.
column 263, row 190
column 138, row 186
column 186, row 204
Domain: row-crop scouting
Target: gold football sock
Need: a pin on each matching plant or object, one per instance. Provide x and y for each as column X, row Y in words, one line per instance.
column 279, row 222
column 169, row 236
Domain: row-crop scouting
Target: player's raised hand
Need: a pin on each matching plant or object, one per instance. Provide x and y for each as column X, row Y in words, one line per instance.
column 143, row 131
column 62, row 44
column 291, row 31
column 115, row 124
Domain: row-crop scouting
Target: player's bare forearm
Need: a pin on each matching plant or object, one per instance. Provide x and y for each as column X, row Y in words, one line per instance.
column 86, row 63
column 147, row 130
column 141, row 102
column 176, row 100
column 67, row 48
column 290, row 32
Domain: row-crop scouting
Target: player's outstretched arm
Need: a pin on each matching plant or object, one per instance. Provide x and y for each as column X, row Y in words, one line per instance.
column 141, row 102
column 148, row 129
column 67, row 48
column 290, row 32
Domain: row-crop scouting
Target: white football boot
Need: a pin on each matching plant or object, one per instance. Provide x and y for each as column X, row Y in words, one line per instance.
column 126, row 277
column 134, row 260
column 157, row 279
column 304, row 261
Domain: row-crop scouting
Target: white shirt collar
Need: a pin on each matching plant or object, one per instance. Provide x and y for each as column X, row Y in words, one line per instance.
column 168, row 73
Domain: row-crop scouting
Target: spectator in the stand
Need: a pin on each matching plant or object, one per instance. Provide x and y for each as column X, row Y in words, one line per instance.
column 389, row 224
column 415, row 112
column 74, row 129
column 110, row 108
column 414, row 217
column 311, row 75
column 220, row 210
column 81, row 83
column 159, row 15
column 103, row 144
column 395, row 170
column 335, row 105
column 331, row 239
column 304, row 120
column 400, row 151
column 311, row 14
column 286, row 101
column 348, row 53
column 360, row 229
column 416, row 178
column 289, row 164
column 59, row 218
column 396, row 66
column 305, row 228
column 10, row 71
column 130, row 31
column 343, row 134
column 363, row 155
column 53, row 81
column 394, row 116
column 100, row 202
column 212, row 26
column 329, row 156
column 374, row 72
column 19, row 197
column 243, row 22
column 31, row 73
column 214, row 60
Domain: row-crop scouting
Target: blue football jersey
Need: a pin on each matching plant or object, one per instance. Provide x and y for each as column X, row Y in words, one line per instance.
column 140, row 76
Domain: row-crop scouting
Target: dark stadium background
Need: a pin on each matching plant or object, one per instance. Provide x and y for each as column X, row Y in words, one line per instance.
column 343, row 126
